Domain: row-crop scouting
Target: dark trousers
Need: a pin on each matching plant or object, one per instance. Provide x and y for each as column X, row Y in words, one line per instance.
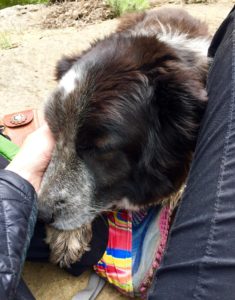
column 199, row 262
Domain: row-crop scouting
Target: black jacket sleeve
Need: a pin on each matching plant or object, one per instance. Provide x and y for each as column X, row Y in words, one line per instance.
column 18, row 212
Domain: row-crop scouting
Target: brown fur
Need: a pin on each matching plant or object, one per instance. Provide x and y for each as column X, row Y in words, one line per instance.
column 179, row 18
column 67, row 247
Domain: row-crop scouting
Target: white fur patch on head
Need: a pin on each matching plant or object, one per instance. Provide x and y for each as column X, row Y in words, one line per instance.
column 68, row 81
column 180, row 40
column 173, row 37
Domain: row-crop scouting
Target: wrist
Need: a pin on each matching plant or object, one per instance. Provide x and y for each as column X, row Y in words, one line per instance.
column 33, row 179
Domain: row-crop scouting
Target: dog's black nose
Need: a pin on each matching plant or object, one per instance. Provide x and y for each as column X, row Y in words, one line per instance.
column 45, row 215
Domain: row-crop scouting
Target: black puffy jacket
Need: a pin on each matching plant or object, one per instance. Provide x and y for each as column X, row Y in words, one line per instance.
column 18, row 211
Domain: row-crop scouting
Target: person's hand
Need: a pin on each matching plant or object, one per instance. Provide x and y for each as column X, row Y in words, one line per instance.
column 34, row 156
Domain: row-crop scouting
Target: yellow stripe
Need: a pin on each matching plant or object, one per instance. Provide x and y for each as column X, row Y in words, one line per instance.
column 117, row 262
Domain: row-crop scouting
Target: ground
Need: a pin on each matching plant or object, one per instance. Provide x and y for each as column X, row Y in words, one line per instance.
column 32, row 39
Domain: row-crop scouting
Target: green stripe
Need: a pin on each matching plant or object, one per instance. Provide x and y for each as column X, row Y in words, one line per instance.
column 7, row 148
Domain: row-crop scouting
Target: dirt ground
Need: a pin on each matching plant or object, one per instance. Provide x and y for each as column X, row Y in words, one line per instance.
column 33, row 43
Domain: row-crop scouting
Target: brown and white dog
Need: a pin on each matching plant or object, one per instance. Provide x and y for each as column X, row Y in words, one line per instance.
column 125, row 116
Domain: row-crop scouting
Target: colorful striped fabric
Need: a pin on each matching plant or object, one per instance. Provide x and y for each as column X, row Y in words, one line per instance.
column 135, row 248
column 116, row 263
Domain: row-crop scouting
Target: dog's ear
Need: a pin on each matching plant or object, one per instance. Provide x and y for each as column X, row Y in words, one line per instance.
column 180, row 97
column 66, row 62
column 177, row 106
column 63, row 65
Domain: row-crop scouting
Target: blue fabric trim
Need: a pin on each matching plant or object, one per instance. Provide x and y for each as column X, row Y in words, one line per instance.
column 138, row 233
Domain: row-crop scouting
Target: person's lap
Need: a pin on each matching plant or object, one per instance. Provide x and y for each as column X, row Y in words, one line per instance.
column 199, row 262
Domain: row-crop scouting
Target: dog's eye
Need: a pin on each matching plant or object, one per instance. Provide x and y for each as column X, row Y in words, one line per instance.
column 104, row 149
column 92, row 150
column 84, row 147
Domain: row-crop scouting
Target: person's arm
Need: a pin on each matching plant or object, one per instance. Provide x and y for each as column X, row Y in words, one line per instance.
column 18, row 206
column 18, row 213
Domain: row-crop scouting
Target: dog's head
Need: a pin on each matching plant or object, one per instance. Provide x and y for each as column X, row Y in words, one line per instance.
column 125, row 116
